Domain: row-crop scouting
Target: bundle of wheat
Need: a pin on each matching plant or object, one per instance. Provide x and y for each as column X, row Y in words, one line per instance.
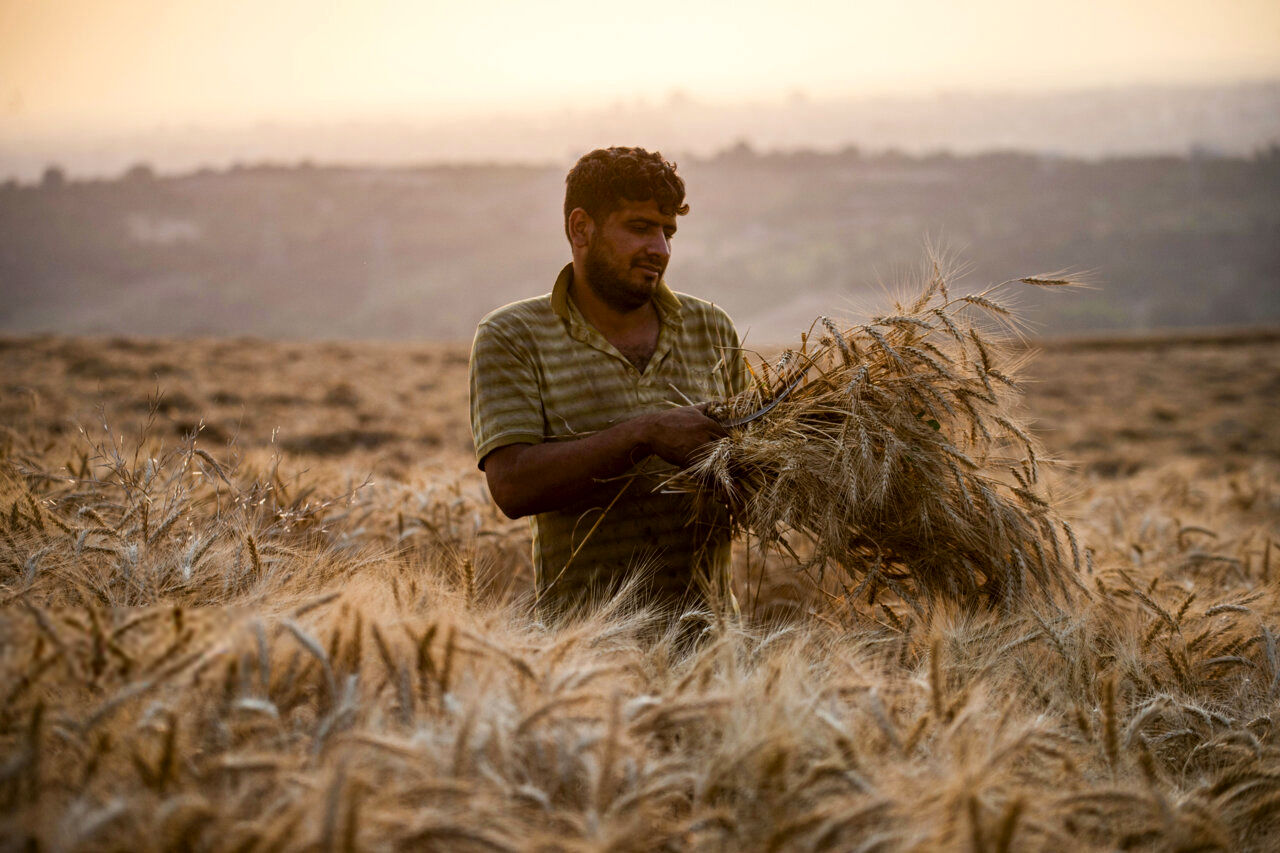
column 894, row 445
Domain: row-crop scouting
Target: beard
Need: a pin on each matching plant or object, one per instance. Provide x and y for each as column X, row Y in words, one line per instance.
column 609, row 281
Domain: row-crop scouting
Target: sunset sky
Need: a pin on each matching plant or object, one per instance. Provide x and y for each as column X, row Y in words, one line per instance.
column 93, row 65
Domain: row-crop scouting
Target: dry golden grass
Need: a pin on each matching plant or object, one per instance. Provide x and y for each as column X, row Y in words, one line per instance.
column 248, row 647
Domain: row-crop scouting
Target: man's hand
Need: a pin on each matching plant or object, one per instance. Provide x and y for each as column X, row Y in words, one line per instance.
column 530, row 478
column 676, row 435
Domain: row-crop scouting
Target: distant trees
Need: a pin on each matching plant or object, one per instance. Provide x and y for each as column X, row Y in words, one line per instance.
column 740, row 152
column 53, row 177
column 1270, row 155
column 139, row 173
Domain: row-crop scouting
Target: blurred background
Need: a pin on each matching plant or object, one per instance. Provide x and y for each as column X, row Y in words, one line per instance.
column 394, row 170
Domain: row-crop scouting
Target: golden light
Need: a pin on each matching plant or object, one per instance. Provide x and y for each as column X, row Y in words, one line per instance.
column 130, row 63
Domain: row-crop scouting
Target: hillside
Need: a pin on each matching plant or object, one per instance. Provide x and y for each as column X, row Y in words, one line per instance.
column 302, row 252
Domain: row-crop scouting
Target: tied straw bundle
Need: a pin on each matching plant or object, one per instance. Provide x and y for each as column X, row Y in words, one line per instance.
column 894, row 446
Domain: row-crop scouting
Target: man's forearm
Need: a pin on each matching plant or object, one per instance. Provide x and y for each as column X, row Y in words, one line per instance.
column 530, row 478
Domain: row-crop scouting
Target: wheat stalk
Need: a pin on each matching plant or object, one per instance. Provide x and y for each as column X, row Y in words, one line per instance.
column 874, row 462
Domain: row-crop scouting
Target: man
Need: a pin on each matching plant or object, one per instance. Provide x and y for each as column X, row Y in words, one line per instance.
column 579, row 398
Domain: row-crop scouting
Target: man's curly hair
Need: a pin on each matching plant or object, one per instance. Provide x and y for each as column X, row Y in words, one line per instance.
column 601, row 181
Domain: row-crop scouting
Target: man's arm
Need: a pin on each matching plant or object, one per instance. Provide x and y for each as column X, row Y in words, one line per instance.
column 529, row 478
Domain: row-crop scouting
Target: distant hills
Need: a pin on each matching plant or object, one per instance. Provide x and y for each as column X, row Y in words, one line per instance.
column 1225, row 119
column 422, row 253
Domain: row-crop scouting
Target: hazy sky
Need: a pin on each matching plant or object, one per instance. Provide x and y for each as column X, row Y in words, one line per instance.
column 125, row 64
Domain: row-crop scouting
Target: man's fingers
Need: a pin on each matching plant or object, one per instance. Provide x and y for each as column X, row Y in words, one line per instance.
column 716, row 428
column 685, row 433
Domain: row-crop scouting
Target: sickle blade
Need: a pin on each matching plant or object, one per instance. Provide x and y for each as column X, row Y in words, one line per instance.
column 768, row 407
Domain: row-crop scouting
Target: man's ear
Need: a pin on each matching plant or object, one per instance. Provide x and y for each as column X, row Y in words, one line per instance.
column 581, row 227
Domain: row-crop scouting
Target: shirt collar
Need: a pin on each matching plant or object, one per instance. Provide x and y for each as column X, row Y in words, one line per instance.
column 664, row 298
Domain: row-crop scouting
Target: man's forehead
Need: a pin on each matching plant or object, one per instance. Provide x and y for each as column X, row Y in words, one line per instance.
column 643, row 210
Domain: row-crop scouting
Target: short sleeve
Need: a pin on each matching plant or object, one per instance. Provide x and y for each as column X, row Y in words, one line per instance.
column 734, row 360
column 506, row 403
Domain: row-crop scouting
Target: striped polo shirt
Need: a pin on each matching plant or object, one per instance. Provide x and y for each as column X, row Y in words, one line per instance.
column 541, row 372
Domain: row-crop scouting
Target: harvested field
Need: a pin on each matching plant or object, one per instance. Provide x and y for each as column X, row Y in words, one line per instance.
column 306, row 630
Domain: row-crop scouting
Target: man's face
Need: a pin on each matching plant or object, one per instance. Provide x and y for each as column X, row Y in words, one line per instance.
column 628, row 253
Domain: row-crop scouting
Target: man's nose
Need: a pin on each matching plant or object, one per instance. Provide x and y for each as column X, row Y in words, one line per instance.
column 660, row 244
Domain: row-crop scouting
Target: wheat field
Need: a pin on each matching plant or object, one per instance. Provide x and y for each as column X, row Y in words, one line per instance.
column 253, row 596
